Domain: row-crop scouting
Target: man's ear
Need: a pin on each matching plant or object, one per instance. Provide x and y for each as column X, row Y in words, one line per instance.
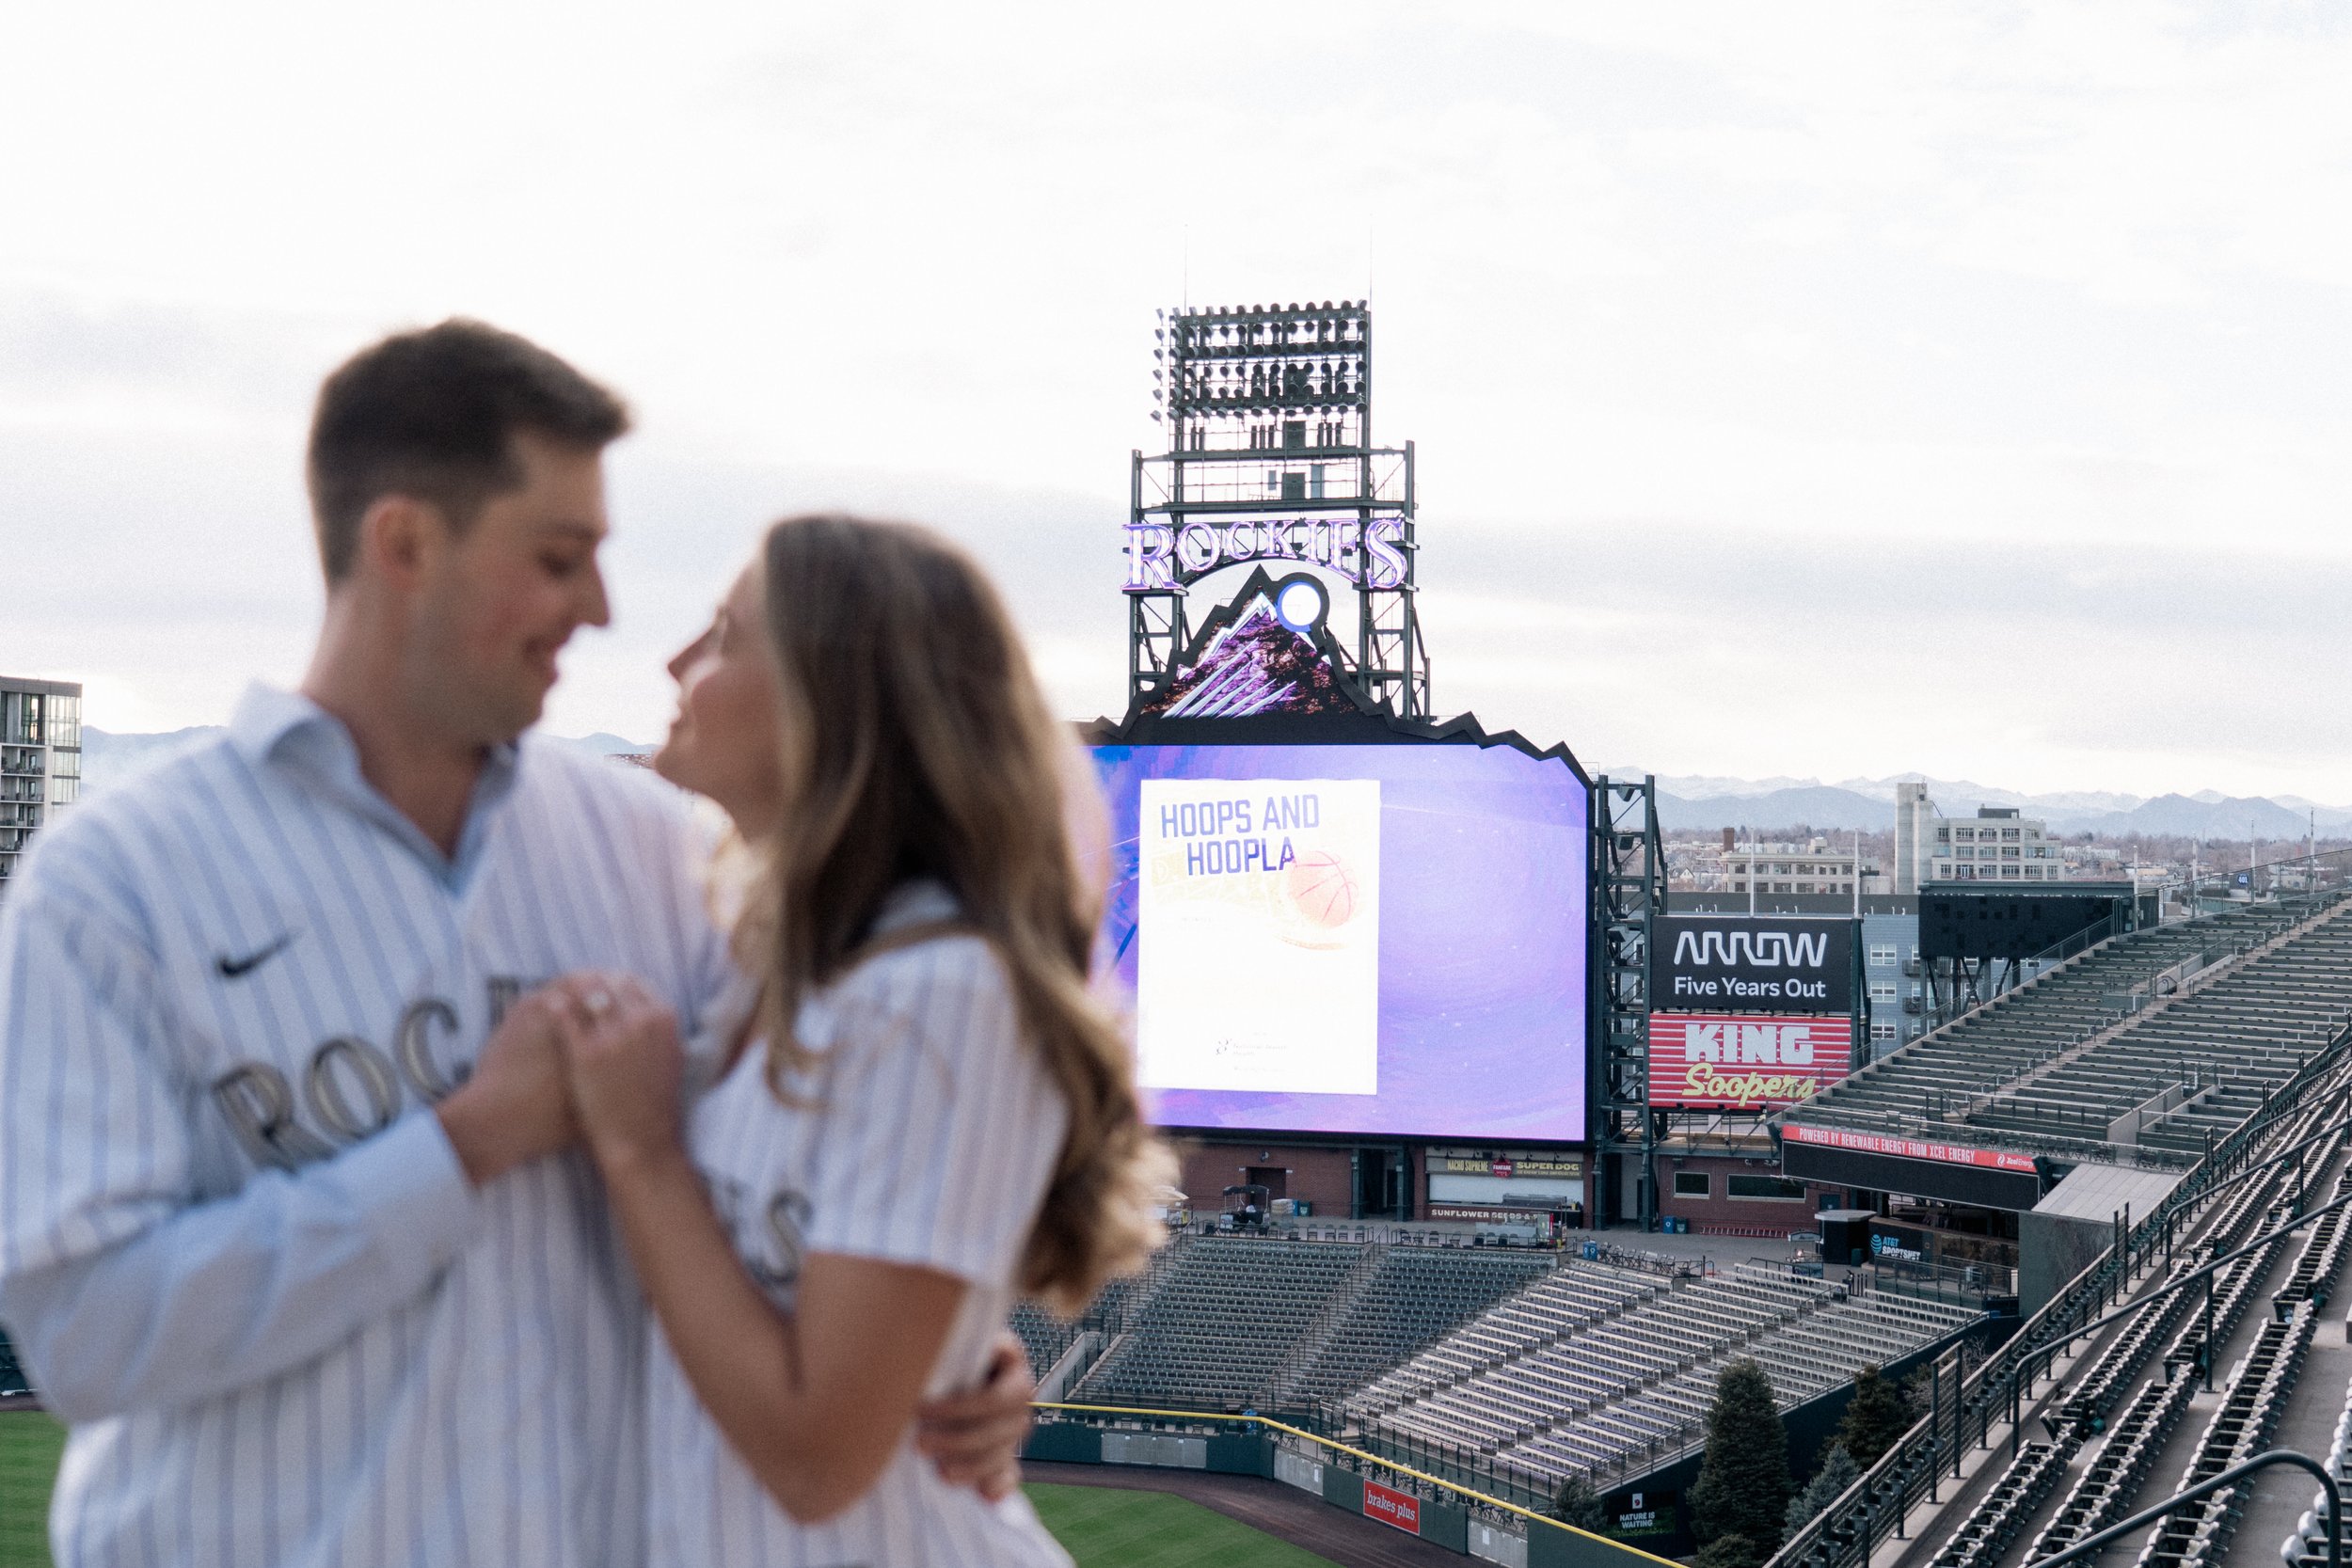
column 397, row 534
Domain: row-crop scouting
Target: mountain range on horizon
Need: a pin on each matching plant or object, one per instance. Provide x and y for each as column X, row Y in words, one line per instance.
column 1711, row 801
column 1687, row 801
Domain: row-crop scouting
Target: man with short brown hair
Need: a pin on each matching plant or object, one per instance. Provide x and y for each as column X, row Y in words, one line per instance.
column 290, row 1232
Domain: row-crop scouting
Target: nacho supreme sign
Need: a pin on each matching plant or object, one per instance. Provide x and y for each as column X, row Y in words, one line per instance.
column 1710, row 1061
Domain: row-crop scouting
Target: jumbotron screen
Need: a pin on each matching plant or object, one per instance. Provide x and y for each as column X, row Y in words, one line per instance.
column 1353, row 939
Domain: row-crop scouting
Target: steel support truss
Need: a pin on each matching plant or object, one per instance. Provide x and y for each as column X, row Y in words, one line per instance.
column 1270, row 462
column 1628, row 893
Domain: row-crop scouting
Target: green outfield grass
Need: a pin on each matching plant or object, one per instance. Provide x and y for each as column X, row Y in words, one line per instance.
column 1103, row 1526
column 29, row 1443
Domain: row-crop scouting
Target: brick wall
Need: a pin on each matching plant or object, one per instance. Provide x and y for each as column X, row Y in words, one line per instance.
column 1321, row 1175
column 1718, row 1210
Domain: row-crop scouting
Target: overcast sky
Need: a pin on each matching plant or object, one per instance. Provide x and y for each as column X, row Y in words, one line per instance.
column 1811, row 390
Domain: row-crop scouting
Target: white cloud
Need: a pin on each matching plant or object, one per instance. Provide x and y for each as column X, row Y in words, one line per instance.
column 1977, row 370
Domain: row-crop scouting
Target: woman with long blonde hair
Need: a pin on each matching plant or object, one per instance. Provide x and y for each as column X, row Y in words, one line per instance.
column 930, row 1112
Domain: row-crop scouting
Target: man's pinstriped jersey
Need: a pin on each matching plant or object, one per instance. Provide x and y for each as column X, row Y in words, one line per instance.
column 235, row 1244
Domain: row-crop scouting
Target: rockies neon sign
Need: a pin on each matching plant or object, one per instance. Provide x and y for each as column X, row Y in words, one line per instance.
column 1368, row 553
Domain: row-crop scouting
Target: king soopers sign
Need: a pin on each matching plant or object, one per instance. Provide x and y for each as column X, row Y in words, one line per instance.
column 1745, row 1063
column 1729, row 964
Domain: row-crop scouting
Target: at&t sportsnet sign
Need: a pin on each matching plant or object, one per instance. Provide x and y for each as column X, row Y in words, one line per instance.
column 1720, row 964
column 1717, row 1061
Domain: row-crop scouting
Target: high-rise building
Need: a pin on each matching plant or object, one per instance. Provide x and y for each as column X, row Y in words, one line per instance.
column 40, row 760
column 1915, row 835
column 1999, row 844
column 1932, row 847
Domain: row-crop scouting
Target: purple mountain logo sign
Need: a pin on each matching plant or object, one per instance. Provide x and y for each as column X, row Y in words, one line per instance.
column 1255, row 665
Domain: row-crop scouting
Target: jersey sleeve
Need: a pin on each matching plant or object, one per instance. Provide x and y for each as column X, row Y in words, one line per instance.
column 94, row 1149
column 689, row 852
column 684, row 880
column 939, row 1127
column 119, row 1288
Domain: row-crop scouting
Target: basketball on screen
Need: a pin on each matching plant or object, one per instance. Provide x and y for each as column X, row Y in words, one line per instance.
column 1321, row 888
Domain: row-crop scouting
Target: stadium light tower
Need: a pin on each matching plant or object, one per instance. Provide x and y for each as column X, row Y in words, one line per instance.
column 1268, row 415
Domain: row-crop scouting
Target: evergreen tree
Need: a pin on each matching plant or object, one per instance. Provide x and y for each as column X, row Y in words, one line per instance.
column 1743, row 1483
column 1581, row 1505
column 1728, row 1551
column 1875, row 1420
column 1837, row 1472
column 1918, row 1391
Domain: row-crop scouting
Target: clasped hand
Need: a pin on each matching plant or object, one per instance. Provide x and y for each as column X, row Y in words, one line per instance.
column 596, row 1057
column 590, row 1056
column 623, row 1067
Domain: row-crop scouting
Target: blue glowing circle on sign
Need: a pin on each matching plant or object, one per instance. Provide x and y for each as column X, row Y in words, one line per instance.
column 1300, row 604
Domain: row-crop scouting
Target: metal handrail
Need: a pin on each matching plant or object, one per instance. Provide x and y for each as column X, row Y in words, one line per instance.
column 1873, row 1506
column 2206, row 1488
column 2267, row 875
column 2054, row 1348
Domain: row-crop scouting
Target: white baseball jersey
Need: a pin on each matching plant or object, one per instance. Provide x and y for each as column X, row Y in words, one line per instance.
column 236, row 1247
column 925, row 1135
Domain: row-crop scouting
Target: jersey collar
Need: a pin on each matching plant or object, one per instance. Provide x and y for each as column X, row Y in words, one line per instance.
column 287, row 733
column 913, row 902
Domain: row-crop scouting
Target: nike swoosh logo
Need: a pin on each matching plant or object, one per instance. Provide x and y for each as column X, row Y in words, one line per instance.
column 232, row 969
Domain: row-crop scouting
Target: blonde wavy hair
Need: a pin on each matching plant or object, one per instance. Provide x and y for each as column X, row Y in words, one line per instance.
column 928, row 751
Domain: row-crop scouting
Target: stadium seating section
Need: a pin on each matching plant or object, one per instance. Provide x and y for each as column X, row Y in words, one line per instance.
column 2141, row 1052
column 1638, row 1381
column 2308, row 1547
column 1230, row 1321
column 1546, row 1364
column 2123, row 1408
column 1413, row 1296
column 1047, row 1338
column 2155, row 1040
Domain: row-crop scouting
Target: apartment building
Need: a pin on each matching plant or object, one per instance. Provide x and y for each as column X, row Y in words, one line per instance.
column 1996, row 844
column 1812, row 866
column 40, row 760
column 1893, row 974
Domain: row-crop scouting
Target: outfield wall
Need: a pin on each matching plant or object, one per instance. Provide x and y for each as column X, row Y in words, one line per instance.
column 1535, row 1542
column 1497, row 1532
